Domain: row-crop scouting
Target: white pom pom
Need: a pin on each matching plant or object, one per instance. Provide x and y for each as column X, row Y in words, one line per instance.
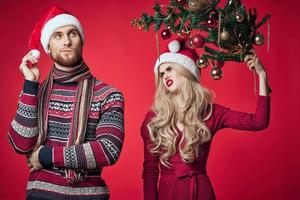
column 174, row 46
column 35, row 53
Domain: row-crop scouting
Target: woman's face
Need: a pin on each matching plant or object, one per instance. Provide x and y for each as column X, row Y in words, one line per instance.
column 170, row 77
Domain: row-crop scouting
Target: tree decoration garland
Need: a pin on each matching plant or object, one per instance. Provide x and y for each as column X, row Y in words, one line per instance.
column 230, row 32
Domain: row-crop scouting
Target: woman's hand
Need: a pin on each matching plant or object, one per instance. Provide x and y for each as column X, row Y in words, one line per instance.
column 253, row 62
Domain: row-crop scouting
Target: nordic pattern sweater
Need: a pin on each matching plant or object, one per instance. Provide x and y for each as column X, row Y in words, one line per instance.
column 101, row 147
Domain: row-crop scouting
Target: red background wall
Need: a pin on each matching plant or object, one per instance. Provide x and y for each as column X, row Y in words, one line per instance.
column 242, row 165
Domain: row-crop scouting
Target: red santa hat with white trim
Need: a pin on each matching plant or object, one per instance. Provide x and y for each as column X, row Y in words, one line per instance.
column 177, row 52
column 55, row 18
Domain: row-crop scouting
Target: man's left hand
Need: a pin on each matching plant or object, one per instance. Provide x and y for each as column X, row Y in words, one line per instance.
column 33, row 160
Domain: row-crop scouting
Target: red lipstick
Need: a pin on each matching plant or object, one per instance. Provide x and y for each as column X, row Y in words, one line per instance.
column 169, row 82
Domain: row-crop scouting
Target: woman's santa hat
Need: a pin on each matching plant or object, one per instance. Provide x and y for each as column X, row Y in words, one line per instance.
column 177, row 52
column 55, row 18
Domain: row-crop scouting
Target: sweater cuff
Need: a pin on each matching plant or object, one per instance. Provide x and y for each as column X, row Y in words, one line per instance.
column 45, row 157
column 263, row 97
column 263, row 101
column 31, row 87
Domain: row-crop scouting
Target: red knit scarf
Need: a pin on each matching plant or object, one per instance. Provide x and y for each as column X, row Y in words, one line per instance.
column 82, row 104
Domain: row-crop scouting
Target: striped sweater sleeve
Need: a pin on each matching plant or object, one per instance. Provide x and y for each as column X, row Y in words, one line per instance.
column 259, row 120
column 104, row 151
column 23, row 130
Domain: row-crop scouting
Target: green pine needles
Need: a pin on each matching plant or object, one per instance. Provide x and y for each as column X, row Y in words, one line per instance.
column 230, row 32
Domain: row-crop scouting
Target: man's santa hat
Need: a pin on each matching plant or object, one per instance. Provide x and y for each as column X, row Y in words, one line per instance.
column 55, row 18
column 177, row 52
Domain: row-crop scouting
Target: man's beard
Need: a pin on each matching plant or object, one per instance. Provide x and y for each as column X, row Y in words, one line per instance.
column 68, row 62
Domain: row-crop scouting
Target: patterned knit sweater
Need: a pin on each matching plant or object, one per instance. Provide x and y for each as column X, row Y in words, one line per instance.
column 102, row 145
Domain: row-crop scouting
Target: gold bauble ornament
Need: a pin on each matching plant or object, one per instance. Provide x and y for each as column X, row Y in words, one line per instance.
column 259, row 39
column 216, row 73
column 138, row 23
column 224, row 35
column 134, row 22
column 194, row 5
column 202, row 63
column 239, row 17
column 235, row 48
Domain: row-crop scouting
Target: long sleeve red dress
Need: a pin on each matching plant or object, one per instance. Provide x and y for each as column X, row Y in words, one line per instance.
column 185, row 181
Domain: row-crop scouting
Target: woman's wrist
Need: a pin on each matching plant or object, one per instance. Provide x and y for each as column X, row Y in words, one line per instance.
column 264, row 89
column 262, row 74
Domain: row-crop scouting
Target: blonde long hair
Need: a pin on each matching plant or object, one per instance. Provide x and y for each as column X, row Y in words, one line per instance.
column 197, row 109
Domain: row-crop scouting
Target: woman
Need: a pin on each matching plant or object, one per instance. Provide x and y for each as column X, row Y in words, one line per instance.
column 177, row 133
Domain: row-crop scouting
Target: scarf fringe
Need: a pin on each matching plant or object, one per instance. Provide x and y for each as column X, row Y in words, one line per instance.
column 82, row 105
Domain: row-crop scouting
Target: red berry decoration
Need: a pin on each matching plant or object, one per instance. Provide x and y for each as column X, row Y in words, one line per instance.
column 165, row 34
column 198, row 41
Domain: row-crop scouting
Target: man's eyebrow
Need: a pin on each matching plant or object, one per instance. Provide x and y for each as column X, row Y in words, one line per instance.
column 73, row 29
column 56, row 32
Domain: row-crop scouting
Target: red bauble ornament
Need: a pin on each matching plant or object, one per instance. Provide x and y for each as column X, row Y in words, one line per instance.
column 218, row 64
column 211, row 23
column 198, row 41
column 182, row 2
column 165, row 34
column 189, row 43
column 213, row 15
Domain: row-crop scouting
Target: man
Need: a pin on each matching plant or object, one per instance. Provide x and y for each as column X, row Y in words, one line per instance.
column 72, row 125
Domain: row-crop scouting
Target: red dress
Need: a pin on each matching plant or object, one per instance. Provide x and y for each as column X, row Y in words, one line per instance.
column 189, row 181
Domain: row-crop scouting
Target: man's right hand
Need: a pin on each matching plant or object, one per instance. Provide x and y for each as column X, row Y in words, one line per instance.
column 30, row 73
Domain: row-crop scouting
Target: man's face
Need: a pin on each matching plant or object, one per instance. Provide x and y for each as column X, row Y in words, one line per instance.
column 66, row 46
